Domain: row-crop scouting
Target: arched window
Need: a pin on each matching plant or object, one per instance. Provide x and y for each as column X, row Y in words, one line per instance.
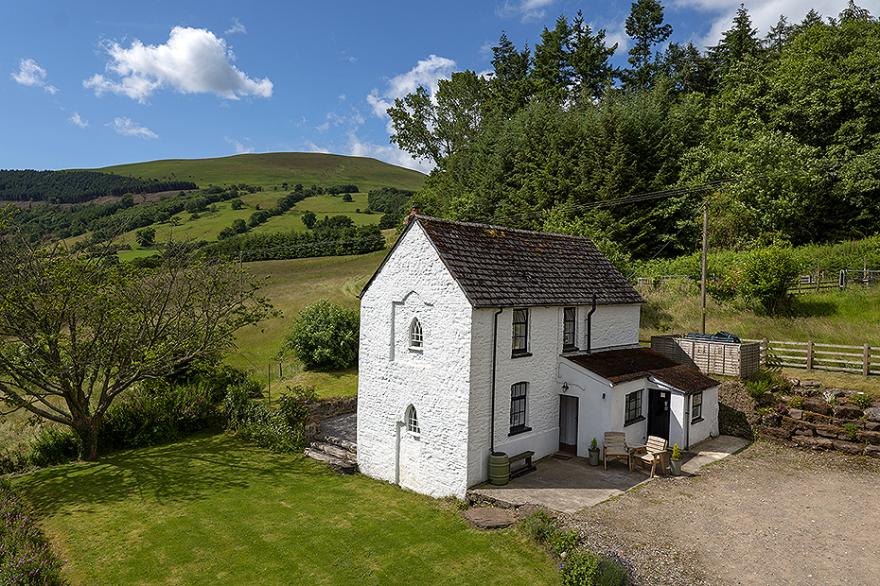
column 412, row 420
column 415, row 334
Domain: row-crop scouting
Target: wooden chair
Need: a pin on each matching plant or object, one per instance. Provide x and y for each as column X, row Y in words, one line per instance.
column 614, row 446
column 652, row 452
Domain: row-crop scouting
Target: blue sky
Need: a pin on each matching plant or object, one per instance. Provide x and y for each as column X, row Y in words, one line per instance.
column 92, row 83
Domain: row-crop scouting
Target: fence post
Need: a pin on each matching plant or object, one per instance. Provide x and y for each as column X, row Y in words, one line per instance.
column 810, row 355
column 764, row 355
column 866, row 361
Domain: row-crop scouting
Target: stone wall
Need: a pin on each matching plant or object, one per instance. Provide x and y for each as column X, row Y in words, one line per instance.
column 808, row 416
column 327, row 409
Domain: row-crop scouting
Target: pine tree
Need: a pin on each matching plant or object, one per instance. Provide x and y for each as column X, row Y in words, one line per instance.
column 811, row 18
column 778, row 35
column 737, row 43
column 510, row 87
column 645, row 27
column 589, row 55
column 854, row 13
column 551, row 73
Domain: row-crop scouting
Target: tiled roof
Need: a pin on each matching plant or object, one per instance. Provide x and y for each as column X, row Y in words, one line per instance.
column 618, row 366
column 507, row 267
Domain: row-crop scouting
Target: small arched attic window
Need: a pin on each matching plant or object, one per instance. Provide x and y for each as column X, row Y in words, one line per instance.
column 416, row 340
column 412, row 420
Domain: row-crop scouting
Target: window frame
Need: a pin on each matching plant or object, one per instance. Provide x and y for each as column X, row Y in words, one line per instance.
column 415, row 327
column 515, row 337
column 695, row 406
column 411, row 420
column 638, row 397
column 519, row 408
column 572, row 345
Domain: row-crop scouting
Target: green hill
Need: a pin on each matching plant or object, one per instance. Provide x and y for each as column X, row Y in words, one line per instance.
column 269, row 169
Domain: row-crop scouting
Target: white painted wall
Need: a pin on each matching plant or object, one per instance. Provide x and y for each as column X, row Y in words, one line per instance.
column 708, row 427
column 414, row 282
column 613, row 325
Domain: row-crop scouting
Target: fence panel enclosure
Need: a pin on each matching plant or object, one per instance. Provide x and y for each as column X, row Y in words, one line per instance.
column 864, row 360
column 711, row 357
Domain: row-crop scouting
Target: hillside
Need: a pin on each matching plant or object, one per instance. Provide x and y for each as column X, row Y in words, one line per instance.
column 270, row 169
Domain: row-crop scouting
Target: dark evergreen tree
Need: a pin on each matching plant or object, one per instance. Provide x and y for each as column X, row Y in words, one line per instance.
column 552, row 74
column 589, row 58
column 737, row 43
column 510, row 86
column 778, row 35
column 646, row 28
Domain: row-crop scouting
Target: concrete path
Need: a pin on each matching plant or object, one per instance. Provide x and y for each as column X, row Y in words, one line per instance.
column 712, row 450
column 564, row 485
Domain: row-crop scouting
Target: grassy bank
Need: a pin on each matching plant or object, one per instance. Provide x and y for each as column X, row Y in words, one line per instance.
column 213, row 510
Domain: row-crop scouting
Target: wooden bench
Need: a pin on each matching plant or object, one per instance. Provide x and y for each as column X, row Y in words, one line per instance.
column 525, row 468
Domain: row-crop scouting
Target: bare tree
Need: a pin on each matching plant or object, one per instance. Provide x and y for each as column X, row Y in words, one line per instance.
column 77, row 331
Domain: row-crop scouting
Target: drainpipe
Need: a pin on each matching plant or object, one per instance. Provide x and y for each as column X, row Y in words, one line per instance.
column 687, row 421
column 494, row 365
column 590, row 326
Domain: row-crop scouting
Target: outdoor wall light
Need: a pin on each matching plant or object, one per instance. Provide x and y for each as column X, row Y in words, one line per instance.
column 603, row 396
column 564, row 387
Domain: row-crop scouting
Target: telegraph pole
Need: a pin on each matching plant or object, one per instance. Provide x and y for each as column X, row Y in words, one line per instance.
column 703, row 266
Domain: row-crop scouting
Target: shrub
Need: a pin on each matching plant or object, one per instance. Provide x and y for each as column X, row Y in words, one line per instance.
column 851, row 430
column 309, row 219
column 51, row 445
column 767, row 273
column 797, row 402
column 862, row 400
column 539, row 526
column 281, row 430
column 25, row 555
column 676, row 452
column 563, row 541
column 325, row 336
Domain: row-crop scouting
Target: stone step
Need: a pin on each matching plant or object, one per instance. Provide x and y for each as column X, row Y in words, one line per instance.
column 334, row 450
column 343, row 465
column 342, row 443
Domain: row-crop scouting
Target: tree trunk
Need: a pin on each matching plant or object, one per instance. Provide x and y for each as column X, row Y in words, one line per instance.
column 88, row 441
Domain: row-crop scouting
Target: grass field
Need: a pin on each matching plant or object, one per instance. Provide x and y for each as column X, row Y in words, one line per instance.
column 212, row 510
column 291, row 285
column 275, row 168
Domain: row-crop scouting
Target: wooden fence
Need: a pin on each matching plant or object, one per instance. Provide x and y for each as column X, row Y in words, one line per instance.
column 864, row 359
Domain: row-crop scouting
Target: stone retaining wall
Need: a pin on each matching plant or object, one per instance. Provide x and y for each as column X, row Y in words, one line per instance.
column 327, row 409
column 808, row 416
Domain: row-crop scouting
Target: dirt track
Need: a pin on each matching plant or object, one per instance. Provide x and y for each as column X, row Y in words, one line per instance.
column 769, row 515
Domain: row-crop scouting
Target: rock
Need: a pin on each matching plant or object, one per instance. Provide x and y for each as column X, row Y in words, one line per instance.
column 873, row 451
column 870, row 437
column 872, row 414
column 827, row 430
column 804, row 432
column 775, row 432
column 810, row 384
column 817, row 418
column 795, row 382
column 847, row 411
column 490, row 517
column 873, row 426
column 847, row 447
column 771, row 420
column 816, row 443
column 817, row 405
column 796, row 413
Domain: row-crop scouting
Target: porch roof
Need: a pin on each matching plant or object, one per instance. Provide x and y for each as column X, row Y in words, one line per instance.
column 619, row 366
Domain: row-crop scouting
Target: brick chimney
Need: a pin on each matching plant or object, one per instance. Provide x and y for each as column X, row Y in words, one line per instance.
column 415, row 211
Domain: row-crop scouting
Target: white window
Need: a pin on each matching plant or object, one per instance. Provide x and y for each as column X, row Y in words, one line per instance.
column 415, row 334
column 412, row 420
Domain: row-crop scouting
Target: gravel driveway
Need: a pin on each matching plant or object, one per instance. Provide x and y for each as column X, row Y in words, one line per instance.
column 770, row 515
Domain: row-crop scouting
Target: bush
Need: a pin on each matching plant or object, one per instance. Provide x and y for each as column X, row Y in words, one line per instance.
column 539, row 526
column 25, row 555
column 51, row 445
column 325, row 337
column 862, row 400
column 767, row 275
column 281, row 430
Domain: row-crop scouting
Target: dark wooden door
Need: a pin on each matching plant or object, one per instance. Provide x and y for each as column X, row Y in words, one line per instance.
column 658, row 413
column 568, row 424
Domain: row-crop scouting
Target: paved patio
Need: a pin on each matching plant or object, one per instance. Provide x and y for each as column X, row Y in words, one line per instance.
column 569, row 485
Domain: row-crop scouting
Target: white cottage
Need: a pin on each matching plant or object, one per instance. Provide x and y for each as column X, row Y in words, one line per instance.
column 478, row 339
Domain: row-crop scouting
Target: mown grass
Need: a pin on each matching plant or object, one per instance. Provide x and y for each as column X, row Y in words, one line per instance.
column 213, row 510
column 275, row 168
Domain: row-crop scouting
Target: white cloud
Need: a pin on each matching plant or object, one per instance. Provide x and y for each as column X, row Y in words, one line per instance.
column 388, row 153
column 31, row 74
column 78, row 120
column 527, row 10
column 193, row 60
column 764, row 13
column 128, row 127
column 240, row 147
column 237, row 28
column 313, row 148
column 333, row 119
column 427, row 72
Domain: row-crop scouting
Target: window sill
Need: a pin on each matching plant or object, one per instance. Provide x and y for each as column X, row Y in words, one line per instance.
column 416, row 349
column 570, row 348
column 697, row 420
column 634, row 421
column 518, row 431
column 520, row 354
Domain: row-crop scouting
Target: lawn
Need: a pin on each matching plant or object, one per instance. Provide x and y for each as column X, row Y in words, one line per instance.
column 213, row 510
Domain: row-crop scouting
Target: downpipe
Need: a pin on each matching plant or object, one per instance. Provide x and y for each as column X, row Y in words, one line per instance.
column 494, row 367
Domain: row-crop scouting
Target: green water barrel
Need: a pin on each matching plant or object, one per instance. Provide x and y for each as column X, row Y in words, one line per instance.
column 499, row 468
